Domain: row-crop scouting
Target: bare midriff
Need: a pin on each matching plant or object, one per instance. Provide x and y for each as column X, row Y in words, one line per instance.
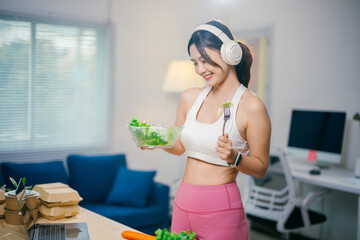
column 198, row 172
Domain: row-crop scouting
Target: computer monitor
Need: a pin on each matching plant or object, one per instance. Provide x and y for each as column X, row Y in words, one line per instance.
column 317, row 136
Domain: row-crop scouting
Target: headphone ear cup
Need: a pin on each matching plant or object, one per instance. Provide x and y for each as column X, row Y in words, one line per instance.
column 231, row 52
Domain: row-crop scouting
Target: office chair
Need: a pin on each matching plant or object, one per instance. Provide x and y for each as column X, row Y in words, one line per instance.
column 281, row 210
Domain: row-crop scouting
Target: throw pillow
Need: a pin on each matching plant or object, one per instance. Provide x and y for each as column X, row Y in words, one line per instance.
column 131, row 188
column 93, row 175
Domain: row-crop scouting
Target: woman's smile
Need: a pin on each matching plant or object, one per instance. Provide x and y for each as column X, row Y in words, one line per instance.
column 207, row 77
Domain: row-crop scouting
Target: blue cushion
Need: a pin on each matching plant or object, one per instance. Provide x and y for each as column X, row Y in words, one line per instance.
column 93, row 176
column 130, row 216
column 131, row 188
column 35, row 173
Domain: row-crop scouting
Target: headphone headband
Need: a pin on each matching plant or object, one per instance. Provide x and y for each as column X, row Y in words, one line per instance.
column 214, row 30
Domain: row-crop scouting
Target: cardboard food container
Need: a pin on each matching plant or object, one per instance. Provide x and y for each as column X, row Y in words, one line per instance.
column 31, row 216
column 2, row 196
column 10, row 201
column 32, row 200
column 14, row 217
column 34, row 214
column 55, row 213
column 50, row 185
column 57, row 194
column 2, row 210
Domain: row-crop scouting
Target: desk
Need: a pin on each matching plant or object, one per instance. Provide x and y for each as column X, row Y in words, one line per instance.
column 99, row 227
column 335, row 178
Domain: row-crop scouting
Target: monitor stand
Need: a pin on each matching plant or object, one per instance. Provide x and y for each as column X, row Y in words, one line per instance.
column 322, row 164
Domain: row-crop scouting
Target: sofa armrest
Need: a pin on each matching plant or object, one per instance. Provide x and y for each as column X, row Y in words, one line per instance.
column 161, row 196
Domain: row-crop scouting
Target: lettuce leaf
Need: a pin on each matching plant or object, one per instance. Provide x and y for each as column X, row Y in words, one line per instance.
column 147, row 137
column 163, row 234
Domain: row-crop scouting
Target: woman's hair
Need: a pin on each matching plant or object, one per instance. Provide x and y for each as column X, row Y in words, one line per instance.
column 204, row 39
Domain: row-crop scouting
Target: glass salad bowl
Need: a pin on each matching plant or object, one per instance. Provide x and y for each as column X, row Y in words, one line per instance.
column 155, row 136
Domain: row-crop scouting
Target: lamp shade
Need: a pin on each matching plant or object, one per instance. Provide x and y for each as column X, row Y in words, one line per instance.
column 180, row 76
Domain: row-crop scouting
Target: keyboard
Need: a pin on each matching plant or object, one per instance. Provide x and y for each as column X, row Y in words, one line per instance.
column 47, row 232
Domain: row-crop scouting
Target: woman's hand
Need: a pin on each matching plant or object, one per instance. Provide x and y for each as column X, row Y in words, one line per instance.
column 224, row 149
column 142, row 148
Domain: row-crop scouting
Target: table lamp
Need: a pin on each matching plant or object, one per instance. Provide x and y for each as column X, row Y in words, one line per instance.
column 180, row 76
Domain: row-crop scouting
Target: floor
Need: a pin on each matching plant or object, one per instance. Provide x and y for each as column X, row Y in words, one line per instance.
column 266, row 234
column 255, row 235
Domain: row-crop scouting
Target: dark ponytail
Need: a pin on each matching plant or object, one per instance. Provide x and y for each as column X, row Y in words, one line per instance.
column 243, row 68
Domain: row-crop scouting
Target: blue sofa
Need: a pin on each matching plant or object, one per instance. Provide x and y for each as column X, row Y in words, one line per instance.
column 106, row 185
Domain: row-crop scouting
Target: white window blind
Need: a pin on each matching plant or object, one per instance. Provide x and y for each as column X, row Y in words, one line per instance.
column 54, row 86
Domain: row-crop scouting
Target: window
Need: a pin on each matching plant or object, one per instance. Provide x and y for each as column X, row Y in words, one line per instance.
column 54, row 86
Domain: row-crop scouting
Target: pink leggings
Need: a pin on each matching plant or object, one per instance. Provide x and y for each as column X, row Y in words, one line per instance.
column 212, row 212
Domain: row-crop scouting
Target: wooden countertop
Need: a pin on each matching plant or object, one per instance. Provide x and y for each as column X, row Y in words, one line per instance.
column 99, row 227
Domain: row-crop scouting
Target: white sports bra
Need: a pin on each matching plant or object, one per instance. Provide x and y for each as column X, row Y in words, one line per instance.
column 200, row 139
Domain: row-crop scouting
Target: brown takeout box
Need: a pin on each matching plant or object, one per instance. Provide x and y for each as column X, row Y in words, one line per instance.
column 57, row 194
column 11, row 202
column 2, row 196
column 32, row 200
column 14, row 217
column 55, row 213
column 31, row 216
column 2, row 210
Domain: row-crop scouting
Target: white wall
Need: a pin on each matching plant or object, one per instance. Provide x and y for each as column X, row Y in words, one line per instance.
column 315, row 64
column 96, row 10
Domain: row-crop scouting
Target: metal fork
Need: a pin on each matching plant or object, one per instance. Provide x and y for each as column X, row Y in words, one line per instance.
column 226, row 117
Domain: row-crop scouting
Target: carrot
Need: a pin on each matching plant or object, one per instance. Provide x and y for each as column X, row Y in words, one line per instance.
column 130, row 235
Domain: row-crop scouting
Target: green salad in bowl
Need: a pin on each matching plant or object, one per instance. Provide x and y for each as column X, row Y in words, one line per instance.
column 153, row 136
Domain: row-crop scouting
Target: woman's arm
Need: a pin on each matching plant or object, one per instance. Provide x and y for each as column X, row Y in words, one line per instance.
column 258, row 132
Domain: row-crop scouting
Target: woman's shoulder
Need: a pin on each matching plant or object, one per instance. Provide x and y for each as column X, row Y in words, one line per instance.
column 188, row 98
column 189, row 95
column 252, row 103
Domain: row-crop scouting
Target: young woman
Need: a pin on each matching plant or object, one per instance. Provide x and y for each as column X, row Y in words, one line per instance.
column 208, row 200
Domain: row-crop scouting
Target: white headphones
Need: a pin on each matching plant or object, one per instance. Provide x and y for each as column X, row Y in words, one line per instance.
column 230, row 50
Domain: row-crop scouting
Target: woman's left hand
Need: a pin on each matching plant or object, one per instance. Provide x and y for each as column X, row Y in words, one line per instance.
column 224, row 149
